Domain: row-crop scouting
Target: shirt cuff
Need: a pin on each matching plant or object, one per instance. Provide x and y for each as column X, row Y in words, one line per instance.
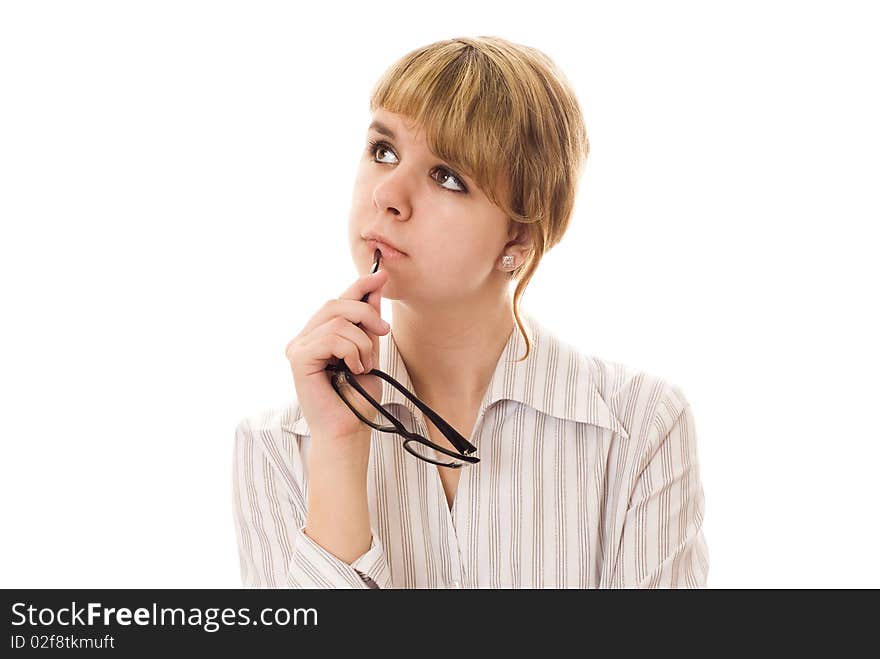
column 313, row 566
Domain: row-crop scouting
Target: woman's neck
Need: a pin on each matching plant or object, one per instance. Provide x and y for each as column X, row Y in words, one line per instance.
column 451, row 354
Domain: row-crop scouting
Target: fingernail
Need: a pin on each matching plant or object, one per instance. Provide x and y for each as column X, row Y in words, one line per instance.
column 385, row 326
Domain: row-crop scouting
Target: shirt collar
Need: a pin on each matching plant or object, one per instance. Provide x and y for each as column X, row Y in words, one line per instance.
column 571, row 394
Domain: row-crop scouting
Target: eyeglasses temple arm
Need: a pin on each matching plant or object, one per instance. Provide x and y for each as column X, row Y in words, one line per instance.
column 460, row 443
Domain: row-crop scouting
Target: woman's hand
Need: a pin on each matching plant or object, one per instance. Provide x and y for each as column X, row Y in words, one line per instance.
column 333, row 333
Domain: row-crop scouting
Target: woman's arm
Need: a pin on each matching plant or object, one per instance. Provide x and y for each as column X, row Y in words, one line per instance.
column 662, row 543
column 270, row 513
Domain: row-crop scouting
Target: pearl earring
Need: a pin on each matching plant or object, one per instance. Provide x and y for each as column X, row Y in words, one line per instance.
column 507, row 261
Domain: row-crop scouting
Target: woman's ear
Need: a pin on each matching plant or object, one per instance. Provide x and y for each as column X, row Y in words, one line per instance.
column 518, row 246
column 519, row 239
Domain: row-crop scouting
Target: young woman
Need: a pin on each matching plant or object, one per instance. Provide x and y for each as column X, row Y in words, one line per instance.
column 492, row 454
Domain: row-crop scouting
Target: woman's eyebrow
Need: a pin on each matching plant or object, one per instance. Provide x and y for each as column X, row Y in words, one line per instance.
column 379, row 127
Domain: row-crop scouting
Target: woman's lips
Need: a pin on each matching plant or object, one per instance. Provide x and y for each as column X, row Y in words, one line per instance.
column 388, row 252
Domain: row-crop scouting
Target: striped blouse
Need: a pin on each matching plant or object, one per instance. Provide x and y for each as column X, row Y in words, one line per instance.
column 588, row 478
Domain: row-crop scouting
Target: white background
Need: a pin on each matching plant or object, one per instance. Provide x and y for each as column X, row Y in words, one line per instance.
column 175, row 180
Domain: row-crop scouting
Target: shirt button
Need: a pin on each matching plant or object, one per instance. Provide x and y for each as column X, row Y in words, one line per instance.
column 454, row 584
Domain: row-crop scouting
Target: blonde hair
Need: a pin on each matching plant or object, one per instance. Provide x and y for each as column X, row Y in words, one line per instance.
column 501, row 113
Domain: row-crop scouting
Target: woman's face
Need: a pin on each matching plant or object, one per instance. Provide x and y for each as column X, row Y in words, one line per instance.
column 451, row 235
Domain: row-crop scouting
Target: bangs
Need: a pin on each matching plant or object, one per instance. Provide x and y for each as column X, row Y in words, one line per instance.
column 445, row 92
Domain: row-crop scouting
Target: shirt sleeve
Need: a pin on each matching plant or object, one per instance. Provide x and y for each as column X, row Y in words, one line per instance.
column 662, row 544
column 269, row 514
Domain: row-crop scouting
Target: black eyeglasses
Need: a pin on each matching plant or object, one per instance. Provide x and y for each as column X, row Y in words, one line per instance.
column 346, row 384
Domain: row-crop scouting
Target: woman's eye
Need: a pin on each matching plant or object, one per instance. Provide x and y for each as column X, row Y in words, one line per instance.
column 375, row 147
column 449, row 175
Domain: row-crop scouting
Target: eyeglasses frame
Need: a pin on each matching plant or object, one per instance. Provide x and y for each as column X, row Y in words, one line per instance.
column 341, row 373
